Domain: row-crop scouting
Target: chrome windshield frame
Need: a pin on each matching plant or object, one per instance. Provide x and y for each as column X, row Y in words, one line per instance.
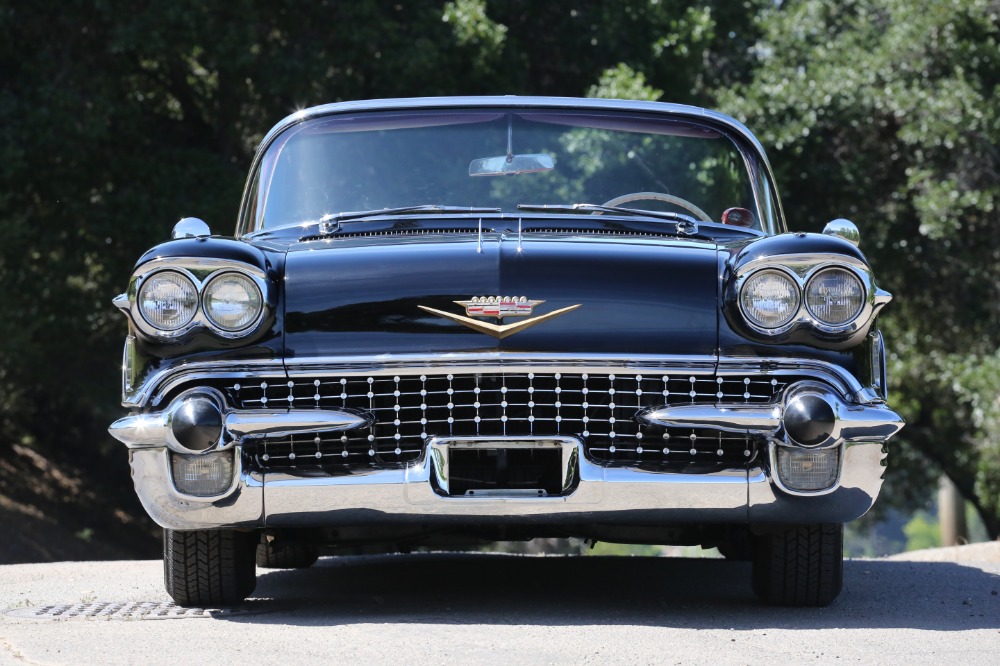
column 730, row 127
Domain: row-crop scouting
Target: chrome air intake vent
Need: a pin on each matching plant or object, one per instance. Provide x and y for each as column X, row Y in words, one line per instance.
column 395, row 233
column 403, row 232
column 599, row 232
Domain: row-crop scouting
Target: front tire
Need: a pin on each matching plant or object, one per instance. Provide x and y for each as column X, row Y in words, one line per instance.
column 799, row 566
column 209, row 567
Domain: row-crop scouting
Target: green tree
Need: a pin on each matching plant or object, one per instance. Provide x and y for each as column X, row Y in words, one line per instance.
column 118, row 118
column 885, row 111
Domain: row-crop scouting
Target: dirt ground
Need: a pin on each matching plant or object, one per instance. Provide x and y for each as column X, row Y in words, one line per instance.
column 48, row 514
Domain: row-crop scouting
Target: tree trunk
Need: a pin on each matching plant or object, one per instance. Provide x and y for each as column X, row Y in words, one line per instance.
column 951, row 514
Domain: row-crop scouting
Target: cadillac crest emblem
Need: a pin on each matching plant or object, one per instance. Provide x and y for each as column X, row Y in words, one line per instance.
column 498, row 307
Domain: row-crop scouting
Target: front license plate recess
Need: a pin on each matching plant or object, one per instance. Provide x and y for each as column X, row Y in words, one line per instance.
column 491, row 467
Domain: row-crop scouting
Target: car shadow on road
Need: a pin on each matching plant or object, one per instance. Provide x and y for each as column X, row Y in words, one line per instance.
column 486, row 588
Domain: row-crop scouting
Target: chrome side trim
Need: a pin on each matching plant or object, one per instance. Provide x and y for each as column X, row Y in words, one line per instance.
column 879, row 370
column 157, row 384
column 153, row 430
column 128, row 367
column 852, row 423
column 750, row 419
column 284, row 423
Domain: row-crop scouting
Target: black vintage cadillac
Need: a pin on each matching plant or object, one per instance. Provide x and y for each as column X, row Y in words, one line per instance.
column 500, row 318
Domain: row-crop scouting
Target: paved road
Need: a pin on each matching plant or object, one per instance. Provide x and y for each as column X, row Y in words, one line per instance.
column 478, row 608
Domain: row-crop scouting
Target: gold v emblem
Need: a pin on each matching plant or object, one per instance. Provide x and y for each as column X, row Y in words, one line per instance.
column 500, row 331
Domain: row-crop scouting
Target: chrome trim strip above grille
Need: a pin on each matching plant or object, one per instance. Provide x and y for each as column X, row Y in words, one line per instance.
column 159, row 383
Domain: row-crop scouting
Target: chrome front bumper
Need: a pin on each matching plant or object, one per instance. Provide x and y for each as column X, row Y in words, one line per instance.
column 602, row 495
column 854, row 423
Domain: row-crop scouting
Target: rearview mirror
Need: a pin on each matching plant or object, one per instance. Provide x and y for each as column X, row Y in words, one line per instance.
column 510, row 165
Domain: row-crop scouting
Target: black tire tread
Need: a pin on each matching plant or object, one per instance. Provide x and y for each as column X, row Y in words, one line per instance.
column 209, row 567
column 800, row 566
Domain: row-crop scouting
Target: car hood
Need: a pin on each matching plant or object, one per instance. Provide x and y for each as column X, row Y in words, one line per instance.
column 621, row 296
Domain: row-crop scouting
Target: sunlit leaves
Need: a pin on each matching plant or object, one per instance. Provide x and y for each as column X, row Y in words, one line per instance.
column 623, row 82
column 885, row 111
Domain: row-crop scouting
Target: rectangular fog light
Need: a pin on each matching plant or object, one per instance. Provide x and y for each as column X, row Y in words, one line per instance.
column 202, row 475
column 808, row 470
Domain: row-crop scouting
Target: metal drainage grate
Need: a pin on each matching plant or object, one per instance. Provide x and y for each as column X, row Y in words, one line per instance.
column 131, row 610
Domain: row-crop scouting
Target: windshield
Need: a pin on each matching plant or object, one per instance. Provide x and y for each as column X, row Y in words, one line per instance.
column 501, row 159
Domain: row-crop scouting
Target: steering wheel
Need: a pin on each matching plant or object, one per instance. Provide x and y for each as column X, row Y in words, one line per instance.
column 660, row 196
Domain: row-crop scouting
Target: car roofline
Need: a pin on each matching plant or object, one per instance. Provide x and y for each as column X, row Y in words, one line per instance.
column 514, row 102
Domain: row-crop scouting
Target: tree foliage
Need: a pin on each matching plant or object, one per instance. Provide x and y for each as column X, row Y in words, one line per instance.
column 886, row 111
column 117, row 118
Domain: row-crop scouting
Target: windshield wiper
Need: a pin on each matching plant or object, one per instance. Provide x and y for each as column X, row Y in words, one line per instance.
column 330, row 224
column 686, row 225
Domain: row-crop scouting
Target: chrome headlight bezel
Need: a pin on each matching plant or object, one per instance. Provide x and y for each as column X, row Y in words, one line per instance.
column 802, row 269
column 200, row 271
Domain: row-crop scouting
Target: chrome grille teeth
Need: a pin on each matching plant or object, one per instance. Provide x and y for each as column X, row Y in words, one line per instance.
column 599, row 407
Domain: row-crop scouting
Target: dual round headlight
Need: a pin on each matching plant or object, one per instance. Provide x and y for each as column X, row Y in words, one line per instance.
column 169, row 300
column 770, row 299
column 232, row 301
column 835, row 296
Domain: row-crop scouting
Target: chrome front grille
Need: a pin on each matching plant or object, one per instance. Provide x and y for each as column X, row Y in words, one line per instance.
column 600, row 408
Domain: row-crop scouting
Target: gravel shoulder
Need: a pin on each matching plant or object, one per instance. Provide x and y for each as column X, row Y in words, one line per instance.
column 490, row 608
